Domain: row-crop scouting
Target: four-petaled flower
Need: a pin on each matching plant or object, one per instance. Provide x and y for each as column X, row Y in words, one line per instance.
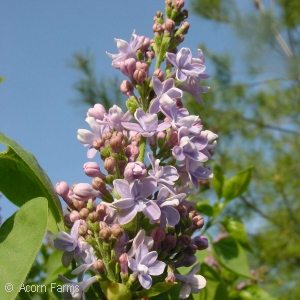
column 146, row 264
column 134, row 199
column 192, row 283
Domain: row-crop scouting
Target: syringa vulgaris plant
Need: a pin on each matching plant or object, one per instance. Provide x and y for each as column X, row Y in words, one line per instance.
column 135, row 231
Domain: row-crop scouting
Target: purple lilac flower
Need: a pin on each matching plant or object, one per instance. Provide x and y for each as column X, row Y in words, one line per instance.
column 140, row 239
column 190, row 147
column 115, row 117
column 126, row 50
column 184, row 64
column 97, row 111
column 179, row 117
column 86, row 260
column 134, row 199
column 135, row 170
column 166, row 88
column 84, row 191
column 197, row 171
column 75, row 290
column 169, row 215
column 193, row 87
column 68, row 243
column 148, row 124
column 164, row 176
column 192, row 283
column 87, row 138
column 146, row 264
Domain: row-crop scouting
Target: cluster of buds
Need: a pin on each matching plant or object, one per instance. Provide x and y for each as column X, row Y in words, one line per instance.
column 153, row 159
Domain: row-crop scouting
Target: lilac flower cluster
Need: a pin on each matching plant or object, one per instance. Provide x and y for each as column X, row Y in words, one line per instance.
column 142, row 223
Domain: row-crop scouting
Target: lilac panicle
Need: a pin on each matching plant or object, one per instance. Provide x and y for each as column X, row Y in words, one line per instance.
column 146, row 264
column 148, row 124
column 134, row 199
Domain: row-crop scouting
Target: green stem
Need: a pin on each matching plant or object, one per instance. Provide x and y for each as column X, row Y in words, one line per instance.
column 142, row 148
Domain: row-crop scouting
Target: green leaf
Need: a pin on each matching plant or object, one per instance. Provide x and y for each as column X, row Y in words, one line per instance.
column 215, row 288
column 54, row 267
column 21, row 237
column 171, row 294
column 218, row 180
column 157, row 289
column 236, row 185
column 132, row 105
column 231, row 255
column 254, row 292
column 204, row 208
column 23, row 179
column 23, row 296
column 115, row 291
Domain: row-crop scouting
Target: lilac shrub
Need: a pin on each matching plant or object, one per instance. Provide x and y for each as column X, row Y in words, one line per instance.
column 134, row 224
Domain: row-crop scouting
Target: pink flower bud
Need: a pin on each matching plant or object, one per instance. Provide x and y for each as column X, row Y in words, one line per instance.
column 74, row 216
column 109, row 165
column 145, row 45
column 140, row 64
column 126, row 88
column 135, row 170
column 92, row 169
column 123, row 259
column 132, row 152
column 127, row 67
column 150, row 54
column 161, row 135
column 159, row 74
column 139, row 76
column 62, row 189
column 169, row 25
column 97, row 112
column 169, row 243
column 84, row 191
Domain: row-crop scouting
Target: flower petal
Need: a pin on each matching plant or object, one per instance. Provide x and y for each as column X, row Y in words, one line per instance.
column 157, row 268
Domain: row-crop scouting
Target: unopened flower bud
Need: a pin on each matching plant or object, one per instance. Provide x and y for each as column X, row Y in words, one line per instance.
column 139, row 76
column 105, row 234
column 135, row 170
column 117, row 231
column 184, row 240
column 84, row 191
column 158, row 234
column 169, row 243
column 97, row 112
column 78, row 204
column 174, row 138
column 127, row 67
column 190, row 250
column 83, row 229
column 170, row 278
column 126, row 88
column 169, row 25
column 74, row 216
column 99, row 266
column 179, row 38
column 157, row 27
column 99, row 185
column 198, row 221
column 187, row 261
column 122, row 165
column 102, row 210
column 149, row 54
column 93, row 216
column 98, row 144
column 123, row 260
column 142, row 65
column 109, row 165
column 178, row 4
column 159, row 74
column 201, row 242
column 185, row 26
column 116, row 144
column 106, row 135
column 102, row 225
column 161, row 135
column 67, row 221
column 62, row 189
column 92, row 169
column 145, row 44
column 132, row 152
column 84, row 213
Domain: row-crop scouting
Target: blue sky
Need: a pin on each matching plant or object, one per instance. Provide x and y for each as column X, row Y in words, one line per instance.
column 37, row 42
